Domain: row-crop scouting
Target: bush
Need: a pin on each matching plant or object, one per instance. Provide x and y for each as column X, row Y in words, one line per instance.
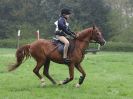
column 118, row 46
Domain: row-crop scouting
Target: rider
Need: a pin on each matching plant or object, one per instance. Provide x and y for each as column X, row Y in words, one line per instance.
column 62, row 29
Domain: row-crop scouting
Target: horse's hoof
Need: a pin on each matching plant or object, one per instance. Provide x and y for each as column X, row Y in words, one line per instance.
column 43, row 84
column 60, row 83
column 77, row 85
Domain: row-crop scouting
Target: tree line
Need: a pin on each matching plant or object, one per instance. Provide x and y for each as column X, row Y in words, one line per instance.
column 30, row 15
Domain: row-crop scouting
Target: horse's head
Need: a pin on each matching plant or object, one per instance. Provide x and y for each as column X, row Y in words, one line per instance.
column 97, row 36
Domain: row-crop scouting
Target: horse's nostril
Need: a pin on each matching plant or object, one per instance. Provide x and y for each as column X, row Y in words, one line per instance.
column 103, row 43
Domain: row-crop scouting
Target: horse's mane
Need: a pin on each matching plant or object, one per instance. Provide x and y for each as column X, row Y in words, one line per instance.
column 83, row 32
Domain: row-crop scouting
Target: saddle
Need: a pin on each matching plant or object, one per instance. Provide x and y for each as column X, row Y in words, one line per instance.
column 60, row 45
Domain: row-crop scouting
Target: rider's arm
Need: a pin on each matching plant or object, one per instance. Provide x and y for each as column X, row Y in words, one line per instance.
column 62, row 26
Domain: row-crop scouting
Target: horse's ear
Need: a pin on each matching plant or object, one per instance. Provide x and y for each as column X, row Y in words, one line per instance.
column 94, row 27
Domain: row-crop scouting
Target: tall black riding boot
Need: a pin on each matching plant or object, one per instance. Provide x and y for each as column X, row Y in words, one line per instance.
column 66, row 60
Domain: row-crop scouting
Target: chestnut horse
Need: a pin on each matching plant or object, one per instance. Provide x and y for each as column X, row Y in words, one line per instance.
column 44, row 51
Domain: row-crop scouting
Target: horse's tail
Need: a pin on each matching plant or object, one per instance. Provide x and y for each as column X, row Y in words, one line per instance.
column 21, row 54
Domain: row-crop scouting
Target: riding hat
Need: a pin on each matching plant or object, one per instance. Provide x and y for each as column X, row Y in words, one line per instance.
column 65, row 11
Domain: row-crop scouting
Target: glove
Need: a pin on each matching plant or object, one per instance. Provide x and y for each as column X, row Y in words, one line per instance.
column 73, row 35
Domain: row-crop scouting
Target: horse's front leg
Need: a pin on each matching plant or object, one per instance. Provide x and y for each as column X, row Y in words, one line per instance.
column 81, row 79
column 71, row 75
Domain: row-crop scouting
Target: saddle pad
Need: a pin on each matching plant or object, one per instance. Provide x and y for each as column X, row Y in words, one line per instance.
column 60, row 45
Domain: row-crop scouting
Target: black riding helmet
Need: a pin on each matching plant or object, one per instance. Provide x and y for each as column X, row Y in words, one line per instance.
column 65, row 11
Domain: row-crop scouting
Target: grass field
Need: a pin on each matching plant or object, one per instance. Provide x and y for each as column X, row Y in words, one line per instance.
column 109, row 76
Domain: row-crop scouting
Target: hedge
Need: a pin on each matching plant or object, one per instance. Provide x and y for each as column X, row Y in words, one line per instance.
column 109, row 46
column 10, row 43
column 118, row 46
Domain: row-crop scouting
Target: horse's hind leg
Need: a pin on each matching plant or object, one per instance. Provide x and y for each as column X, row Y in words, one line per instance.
column 36, row 71
column 46, row 71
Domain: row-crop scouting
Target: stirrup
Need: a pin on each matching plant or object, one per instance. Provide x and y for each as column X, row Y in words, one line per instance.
column 66, row 60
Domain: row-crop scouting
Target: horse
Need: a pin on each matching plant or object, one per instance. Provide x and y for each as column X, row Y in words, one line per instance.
column 43, row 51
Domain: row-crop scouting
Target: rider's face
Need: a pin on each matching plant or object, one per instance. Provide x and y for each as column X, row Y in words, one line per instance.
column 67, row 16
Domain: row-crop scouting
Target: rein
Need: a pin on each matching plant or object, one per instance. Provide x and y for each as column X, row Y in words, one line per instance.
column 87, row 41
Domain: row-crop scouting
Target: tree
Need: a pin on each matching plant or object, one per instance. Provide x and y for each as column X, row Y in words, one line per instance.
column 41, row 14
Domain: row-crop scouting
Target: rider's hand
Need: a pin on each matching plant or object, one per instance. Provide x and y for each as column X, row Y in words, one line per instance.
column 74, row 35
column 77, row 35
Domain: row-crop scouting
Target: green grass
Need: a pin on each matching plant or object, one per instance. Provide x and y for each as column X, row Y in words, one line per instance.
column 109, row 76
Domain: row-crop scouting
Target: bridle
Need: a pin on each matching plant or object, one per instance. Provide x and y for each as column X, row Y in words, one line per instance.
column 87, row 41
